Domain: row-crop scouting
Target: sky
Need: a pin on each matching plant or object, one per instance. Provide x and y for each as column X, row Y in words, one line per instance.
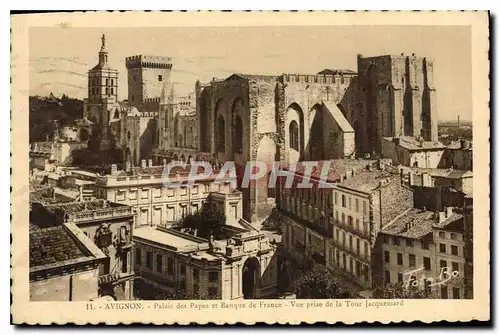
column 60, row 57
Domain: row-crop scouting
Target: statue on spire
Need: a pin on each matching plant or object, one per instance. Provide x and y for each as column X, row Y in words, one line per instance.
column 103, row 43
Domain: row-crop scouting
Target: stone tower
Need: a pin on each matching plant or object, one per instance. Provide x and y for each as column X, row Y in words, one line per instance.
column 166, row 117
column 146, row 78
column 396, row 98
column 102, row 91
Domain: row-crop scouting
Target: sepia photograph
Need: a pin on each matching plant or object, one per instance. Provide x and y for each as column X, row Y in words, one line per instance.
column 252, row 166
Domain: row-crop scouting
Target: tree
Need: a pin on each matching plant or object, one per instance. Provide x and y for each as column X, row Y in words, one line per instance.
column 319, row 283
column 204, row 223
column 182, row 295
column 401, row 291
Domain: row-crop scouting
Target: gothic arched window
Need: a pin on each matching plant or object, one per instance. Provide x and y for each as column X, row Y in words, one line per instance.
column 294, row 135
column 221, row 135
column 238, row 134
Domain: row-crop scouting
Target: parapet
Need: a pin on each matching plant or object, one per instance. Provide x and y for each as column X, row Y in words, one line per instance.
column 317, row 78
column 148, row 61
column 152, row 100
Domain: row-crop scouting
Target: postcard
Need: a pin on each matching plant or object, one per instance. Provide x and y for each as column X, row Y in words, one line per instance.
column 272, row 167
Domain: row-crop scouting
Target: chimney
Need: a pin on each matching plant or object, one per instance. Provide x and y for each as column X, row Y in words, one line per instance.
column 410, row 178
column 396, row 141
column 150, row 163
column 410, row 225
column 114, row 169
column 127, row 166
column 402, row 54
column 449, row 211
column 426, row 180
column 413, row 54
column 441, row 216
column 143, row 163
column 164, row 162
column 211, row 242
column 380, row 165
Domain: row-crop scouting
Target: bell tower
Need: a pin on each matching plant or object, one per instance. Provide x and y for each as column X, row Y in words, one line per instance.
column 103, row 80
column 102, row 92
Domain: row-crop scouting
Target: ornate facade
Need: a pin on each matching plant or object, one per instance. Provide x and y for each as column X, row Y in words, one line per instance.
column 287, row 118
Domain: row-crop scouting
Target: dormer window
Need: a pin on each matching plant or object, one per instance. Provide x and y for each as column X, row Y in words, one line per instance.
column 160, row 77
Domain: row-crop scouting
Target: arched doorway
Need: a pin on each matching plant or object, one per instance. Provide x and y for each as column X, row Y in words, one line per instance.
column 251, row 278
column 238, row 135
column 316, row 136
column 294, row 133
column 221, row 134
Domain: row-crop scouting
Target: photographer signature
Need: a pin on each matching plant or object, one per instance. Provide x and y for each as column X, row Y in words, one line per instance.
column 445, row 275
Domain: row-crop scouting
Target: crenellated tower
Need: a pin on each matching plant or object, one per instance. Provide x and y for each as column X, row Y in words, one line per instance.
column 146, row 78
column 396, row 98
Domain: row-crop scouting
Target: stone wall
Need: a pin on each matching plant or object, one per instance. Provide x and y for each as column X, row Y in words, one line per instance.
column 80, row 286
column 396, row 99
column 147, row 76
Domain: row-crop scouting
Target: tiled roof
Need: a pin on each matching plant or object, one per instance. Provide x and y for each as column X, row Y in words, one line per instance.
column 104, row 66
column 459, row 145
column 367, row 181
column 412, row 144
column 415, row 223
column 444, row 173
column 449, row 220
column 45, row 196
column 337, row 169
column 52, row 245
column 76, row 207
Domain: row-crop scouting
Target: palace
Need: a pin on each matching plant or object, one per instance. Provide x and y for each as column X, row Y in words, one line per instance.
column 376, row 126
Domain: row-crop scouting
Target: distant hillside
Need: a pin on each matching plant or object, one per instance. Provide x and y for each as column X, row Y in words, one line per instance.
column 44, row 110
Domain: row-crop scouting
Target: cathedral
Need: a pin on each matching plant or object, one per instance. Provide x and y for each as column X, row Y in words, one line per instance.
column 332, row 114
